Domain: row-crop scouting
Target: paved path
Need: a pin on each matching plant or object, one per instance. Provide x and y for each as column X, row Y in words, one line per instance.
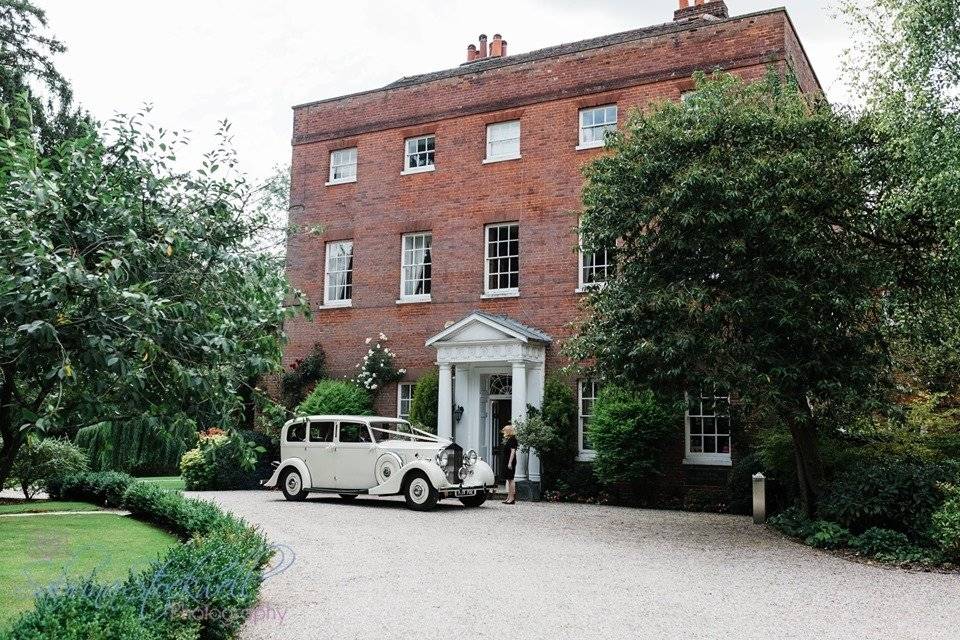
column 373, row 569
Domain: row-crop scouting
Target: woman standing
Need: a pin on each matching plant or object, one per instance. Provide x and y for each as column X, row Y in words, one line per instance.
column 510, row 462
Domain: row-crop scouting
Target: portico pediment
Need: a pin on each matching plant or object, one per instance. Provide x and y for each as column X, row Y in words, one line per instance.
column 483, row 337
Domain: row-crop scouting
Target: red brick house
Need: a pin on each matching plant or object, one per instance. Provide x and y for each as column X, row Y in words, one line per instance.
column 447, row 202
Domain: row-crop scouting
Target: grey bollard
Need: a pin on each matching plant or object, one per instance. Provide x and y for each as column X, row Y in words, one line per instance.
column 759, row 498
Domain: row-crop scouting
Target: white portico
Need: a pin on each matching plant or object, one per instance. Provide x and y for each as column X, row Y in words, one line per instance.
column 493, row 367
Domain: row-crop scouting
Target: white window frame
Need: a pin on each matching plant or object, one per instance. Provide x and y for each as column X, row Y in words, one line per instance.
column 327, row 273
column 509, row 292
column 587, row 286
column 337, row 157
column 400, row 399
column 407, row 154
column 404, row 265
column 606, row 126
column 698, row 457
column 492, row 130
column 582, row 419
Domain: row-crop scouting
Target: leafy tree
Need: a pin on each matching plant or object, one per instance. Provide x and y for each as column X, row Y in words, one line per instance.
column 907, row 68
column 43, row 460
column 423, row 405
column 754, row 253
column 128, row 291
column 26, row 65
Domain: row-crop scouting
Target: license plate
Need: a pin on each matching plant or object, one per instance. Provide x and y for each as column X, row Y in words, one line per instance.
column 466, row 492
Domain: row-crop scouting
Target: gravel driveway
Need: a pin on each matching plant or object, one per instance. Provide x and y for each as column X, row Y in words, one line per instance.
column 373, row 569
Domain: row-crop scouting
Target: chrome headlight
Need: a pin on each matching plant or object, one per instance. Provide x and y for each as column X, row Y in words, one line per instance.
column 464, row 472
column 471, row 457
column 441, row 458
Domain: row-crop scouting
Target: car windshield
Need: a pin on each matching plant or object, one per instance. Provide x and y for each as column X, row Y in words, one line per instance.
column 379, row 428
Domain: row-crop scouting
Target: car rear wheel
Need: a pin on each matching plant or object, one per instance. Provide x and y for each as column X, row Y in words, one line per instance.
column 474, row 501
column 292, row 485
column 419, row 493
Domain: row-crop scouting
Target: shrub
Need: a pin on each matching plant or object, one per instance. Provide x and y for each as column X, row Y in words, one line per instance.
column 875, row 541
column 217, row 573
column 336, row 397
column 827, row 535
column 100, row 487
column 792, row 522
column 535, row 433
column 42, row 460
column 221, row 461
column 423, row 406
column 559, row 412
column 890, row 495
column 945, row 524
column 303, row 373
column 629, row 430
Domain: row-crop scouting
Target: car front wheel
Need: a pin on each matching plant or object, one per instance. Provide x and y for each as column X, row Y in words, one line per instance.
column 292, row 485
column 419, row 493
column 474, row 501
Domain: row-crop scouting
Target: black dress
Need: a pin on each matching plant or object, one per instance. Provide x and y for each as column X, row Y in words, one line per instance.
column 509, row 446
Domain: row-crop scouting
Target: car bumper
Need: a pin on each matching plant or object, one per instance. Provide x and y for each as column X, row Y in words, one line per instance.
column 457, row 491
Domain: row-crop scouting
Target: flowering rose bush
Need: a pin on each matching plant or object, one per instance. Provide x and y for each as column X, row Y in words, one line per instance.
column 378, row 369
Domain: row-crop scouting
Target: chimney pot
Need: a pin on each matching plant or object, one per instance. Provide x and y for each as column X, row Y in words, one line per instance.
column 471, row 52
column 482, row 53
column 503, row 47
column 496, row 47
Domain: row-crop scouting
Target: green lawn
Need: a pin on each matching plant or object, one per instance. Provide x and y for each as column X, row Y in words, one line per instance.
column 37, row 506
column 171, row 483
column 36, row 551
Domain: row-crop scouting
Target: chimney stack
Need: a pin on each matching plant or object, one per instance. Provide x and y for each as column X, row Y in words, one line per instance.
column 497, row 49
column 706, row 9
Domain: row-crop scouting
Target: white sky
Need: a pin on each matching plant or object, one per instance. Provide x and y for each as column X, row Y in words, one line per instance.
column 249, row 61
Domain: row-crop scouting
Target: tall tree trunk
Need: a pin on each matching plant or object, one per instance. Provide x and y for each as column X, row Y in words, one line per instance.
column 12, row 438
column 809, row 464
column 249, row 403
column 8, row 453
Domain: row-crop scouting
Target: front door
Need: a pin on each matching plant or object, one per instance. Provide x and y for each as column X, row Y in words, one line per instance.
column 320, row 454
column 500, row 412
column 355, row 458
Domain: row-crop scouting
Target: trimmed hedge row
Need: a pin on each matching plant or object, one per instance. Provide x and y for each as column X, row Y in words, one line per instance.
column 203, row 588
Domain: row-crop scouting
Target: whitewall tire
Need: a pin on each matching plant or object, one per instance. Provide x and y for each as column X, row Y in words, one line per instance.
column 419, row 493
column 292, row 485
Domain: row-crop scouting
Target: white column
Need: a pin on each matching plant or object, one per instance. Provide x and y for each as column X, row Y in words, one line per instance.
column 445, row 402
column 518, row 409
column 535, row 399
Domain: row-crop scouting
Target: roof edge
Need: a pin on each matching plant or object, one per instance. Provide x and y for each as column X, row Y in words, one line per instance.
column 544, row 53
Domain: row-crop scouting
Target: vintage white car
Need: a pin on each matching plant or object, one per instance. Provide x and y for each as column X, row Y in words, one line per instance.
column 355, row 455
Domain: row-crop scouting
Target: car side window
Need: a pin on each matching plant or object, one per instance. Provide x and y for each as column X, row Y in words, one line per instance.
column 321, row 432
column 297, row 433
column 354, row 432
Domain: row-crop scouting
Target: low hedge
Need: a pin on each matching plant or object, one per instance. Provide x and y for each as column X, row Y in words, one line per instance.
column 203, row 588
column 105, row 488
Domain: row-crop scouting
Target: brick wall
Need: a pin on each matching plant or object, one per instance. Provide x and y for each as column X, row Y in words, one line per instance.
column 541, row 190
